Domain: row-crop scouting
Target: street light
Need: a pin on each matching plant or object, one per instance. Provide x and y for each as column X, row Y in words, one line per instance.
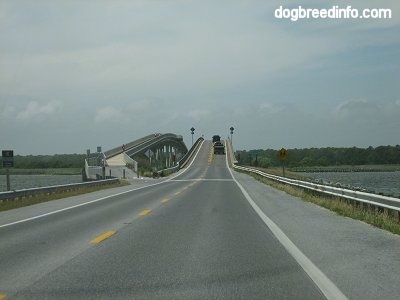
column 231, row 129
column 192, row 130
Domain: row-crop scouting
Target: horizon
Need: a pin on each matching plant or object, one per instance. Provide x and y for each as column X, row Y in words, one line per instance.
column 247, row 150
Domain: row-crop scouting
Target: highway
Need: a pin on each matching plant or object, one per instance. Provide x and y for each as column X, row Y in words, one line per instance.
column 204, row 233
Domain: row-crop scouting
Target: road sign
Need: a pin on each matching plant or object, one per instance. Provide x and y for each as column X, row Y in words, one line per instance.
column 283, row 154
column 148, row 153
column 8, row 158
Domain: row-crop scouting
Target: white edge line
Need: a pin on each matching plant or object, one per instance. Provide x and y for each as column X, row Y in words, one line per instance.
column 326, row 286
column 97, row 200
column 185, row 169
column 78, row 205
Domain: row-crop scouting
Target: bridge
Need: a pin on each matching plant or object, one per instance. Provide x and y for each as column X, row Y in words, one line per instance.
column 153, row 152
column 205, row 232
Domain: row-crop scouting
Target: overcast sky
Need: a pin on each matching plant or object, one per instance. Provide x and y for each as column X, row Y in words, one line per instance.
column 79, row 74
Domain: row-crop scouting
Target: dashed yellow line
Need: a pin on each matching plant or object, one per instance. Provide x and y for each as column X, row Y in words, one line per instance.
column 100, row 238
column 3, row 296
column 145, row 212
column 165, row 200
column 210, row 156
column 177, row 193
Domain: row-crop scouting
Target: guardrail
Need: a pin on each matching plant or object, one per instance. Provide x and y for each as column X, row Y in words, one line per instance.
column 183, row 161
column 15, row 195
column 230, row 153
column 186, row 158
column 367, row 200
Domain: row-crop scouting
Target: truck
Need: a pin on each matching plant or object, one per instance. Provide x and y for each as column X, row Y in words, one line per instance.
column 216, row 138
column 219, row 148
column 217, row 145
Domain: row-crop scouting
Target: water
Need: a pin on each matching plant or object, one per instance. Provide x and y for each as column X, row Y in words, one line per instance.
column 387, row 183
column 19, row 182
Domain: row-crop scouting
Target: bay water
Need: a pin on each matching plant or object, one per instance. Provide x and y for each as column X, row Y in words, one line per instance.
column 387, row 183
column 18, row 182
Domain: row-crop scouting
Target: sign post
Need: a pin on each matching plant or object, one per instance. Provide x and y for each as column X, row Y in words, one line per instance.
column 283, row 154
column 8, row 162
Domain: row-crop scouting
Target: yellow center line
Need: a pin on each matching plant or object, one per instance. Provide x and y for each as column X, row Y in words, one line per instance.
column 165, row 200
column 177, row 193
column 101, row 238
column 3, row 296
column 145, row 212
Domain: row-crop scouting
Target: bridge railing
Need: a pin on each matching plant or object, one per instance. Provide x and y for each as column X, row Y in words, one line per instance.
column 118, row 150
column 183, row 161
column 159, row 139
column 187, row 157
column 368, row 200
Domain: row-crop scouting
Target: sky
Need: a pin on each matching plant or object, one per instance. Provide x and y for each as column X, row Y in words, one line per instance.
column 75, row 75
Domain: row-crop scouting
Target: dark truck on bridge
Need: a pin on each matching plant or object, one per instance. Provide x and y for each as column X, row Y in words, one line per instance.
column 219, row 148
column 216, row 138
column 217, row 144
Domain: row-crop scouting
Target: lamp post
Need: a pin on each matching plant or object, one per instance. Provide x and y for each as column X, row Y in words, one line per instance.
column 231, row 129
column 192, row 130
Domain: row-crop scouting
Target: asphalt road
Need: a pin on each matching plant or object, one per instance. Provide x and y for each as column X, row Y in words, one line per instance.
column 194, row 236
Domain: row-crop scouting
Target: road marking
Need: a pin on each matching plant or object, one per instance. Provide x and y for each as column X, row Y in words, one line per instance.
column 188, row 167
column 202, row 179
column 3, row 296
column 145, row 212
column 165, row 200
column 103, row 198
column 326, row 286
column 177, row 193
column 82, row 204
column 101, row 238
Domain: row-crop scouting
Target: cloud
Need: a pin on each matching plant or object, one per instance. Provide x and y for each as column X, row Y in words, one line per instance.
column 267, row 108
column 135, row 67
column 357, row 107
column 35, row 111
column 198, row 114
column 109, row 115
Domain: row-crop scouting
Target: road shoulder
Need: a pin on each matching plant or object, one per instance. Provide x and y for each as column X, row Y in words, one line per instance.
column 360, row 259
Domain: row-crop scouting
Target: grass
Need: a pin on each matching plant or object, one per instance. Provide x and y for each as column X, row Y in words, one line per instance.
column 338, row 205
column 26, row 201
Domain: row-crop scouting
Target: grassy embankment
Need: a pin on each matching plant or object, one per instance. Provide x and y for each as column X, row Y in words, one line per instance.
column 378, row 219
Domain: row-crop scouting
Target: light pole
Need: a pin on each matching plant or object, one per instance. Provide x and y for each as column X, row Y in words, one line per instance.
column 231, row 129
column 192, row 130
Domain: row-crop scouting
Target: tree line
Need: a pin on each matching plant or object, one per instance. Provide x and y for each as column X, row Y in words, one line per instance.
column 330, row 156
column 49, row 161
